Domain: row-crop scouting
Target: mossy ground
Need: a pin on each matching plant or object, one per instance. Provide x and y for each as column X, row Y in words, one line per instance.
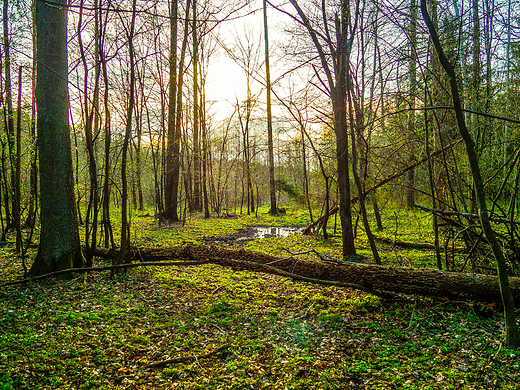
column 95, row 332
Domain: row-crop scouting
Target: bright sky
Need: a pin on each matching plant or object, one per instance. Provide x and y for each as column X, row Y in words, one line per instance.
column 226, row 81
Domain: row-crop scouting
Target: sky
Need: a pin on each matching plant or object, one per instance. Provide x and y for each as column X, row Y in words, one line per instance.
column 226, row 80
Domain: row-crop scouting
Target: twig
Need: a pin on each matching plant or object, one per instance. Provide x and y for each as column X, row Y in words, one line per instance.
column 183, row 359
column 467, row 215
column 322, row 256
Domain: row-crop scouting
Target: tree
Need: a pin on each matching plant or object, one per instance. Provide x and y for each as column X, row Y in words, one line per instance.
column 197, row 164
column 513, row 340
column 172, row 151
column 59, row 240
column 125, row 228
column 410, row 177
column 272, row 189
column 9, row 127
column 336, row 82
column 173, row 154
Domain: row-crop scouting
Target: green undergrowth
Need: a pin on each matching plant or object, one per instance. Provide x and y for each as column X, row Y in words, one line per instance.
column 97, row 332
column 100, row 333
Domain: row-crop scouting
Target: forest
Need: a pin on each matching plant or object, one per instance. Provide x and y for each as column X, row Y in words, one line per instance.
column 246, row 194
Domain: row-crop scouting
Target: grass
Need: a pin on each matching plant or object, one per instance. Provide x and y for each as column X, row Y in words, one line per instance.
column 95, row 332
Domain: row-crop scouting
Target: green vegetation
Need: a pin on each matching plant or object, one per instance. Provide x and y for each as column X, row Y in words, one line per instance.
column 95, row 332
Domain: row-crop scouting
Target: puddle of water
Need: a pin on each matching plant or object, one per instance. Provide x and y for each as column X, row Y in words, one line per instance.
column 274, row 231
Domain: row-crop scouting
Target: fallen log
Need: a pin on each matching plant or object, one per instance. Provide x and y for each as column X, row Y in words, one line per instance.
column 427, row 282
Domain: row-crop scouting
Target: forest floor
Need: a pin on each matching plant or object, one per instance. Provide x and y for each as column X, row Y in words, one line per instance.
column 243, row 330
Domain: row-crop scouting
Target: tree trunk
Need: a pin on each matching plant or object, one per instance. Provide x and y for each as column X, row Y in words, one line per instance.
column 31, row 214
column 107, row 225
column 427, row 282
column 272, row 189
column 125, row 229
column 175, row 125
column 90, row 241
column 10, row 117
column 59, row 240
column 513, row 340
column 18, row 167
column 362, row 205
column 172, row 148
column 197, row 198
column 412, row 71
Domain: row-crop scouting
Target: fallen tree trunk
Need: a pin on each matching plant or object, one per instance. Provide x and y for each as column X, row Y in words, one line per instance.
column 428, row 282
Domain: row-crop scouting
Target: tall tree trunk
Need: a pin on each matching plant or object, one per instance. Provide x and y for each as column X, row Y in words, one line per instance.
column 175, row 125
column 125, row 228
column 354, row 109
column 339, row 94
column 205, row 152
column 31, row 215
column 305, row 173
column 18, row 167
column 272, row 188
column 107, row 225
column 138, row 168
column 59, row 239
column 90, row 233
column 172, row 148
column 197, row 199
column 10, row 118
column 412, row 71
column 513, row 340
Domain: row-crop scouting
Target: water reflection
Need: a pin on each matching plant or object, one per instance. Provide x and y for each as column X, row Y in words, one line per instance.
column 274, row 231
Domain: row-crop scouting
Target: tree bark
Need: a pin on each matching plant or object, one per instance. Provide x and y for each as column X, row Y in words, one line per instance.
column 175, row 125
column 59, row 240
column 172, row 151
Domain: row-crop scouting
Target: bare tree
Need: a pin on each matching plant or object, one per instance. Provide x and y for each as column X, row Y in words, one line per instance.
column 513, row 340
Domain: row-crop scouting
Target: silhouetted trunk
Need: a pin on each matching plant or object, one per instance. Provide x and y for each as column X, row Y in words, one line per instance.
column 90, row 233
column 33, row 175
column 513, row 340
column 9, row 121
column 270, row 147
column 125, row 228
column 412, row 66
column 354, row 110
column 18, row 167
column 175, row 122
column 205, row 159
column 107, row 225
column 197, row 199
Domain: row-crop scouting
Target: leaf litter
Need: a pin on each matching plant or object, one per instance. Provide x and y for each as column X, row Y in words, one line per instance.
column 224, row 329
